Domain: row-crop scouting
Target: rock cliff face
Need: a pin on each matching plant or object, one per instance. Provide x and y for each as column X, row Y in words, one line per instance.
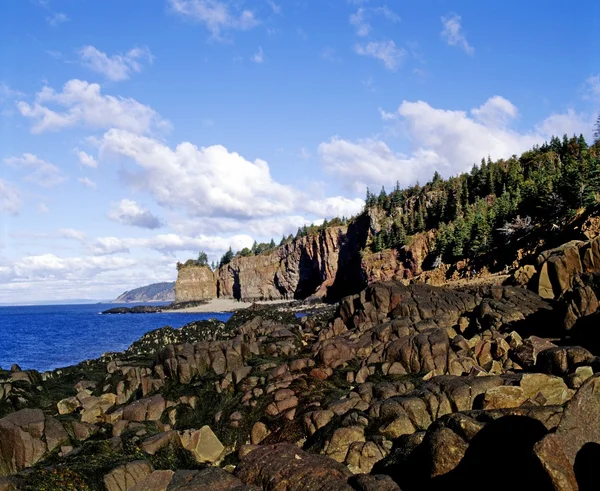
column 194, row 284
column 305, row 267
column 325, row 265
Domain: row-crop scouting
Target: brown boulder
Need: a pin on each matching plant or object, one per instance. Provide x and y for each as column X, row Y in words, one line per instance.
column 126, row 476
column 284, row 467
column 25, row 437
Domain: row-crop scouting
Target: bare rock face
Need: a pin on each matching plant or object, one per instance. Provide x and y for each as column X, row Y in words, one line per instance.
column 305, row 267
column 195, row 283
column 25, row 437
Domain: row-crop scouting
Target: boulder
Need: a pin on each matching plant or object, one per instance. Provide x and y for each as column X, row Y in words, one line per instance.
column 25, row 437
column 286, row 467
column 126, row 476
column 203, row 444
column 157, row 481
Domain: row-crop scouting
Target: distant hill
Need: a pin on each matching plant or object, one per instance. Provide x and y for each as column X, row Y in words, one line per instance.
column 157, row 292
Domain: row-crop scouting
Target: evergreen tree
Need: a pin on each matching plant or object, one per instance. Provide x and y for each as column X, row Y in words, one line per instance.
column 597, row 130
column 202, row 259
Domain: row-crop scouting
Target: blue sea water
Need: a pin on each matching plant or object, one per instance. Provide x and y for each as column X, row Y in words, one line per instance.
column 45, row 337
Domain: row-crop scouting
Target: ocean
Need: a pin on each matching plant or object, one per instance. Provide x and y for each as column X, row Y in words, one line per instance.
column 45, row 337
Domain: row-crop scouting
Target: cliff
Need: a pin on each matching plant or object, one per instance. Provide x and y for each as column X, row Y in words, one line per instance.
column 300, row 269
column 195, row 283
column 328, row 264
column 156, row 292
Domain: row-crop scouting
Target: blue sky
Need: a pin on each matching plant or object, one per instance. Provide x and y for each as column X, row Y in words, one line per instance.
column 135, row 133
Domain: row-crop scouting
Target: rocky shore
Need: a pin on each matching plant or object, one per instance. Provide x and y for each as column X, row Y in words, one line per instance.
column 406, row 387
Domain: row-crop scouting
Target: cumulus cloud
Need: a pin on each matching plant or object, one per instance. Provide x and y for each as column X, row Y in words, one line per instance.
column 43, row 173
column 386, row 51
column 170, row 243
column 87, row 182
column 215, row 15
column 447, row 141
column 10, row 199
column 86, row 159
column 116, row 67
column 128, row 212
column 206, row 181
column 83, row 104
column 453, row 34
column 336, row 206
column 6, row 92
column 48, row 267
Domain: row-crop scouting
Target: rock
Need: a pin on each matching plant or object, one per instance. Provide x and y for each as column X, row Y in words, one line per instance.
column 161, row 440
column 25, row 437
column 195, row 283
column 524, row 275
column 341, row 440
column 580, row 423
column 126, row 476
column 555, row 463
column 258, row 433
column 362, row 456
column 559, row 268
column 157, row 481
column 286, row 467
column 149, row 409
column 211, row 479
column 563, row 360
column 203, row 444
column 368, row 482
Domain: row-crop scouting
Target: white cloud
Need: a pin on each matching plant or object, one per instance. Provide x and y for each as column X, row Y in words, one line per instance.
column 57, row 19
column 259, row 56
column 170, row 243
column 87, row 182
column 453, row 35
column 447, row 141
column 44, row 173
column 207, row 181
column 70, row 233
column 275, row 7
column 128, row 212
column 116, row 67
column 215, row 15
column 496, row 111
column 10, row 200
column 49, row 266
column 84, row 105
column 591, row 89
column 7, row 93
column 86, row 159
column 386, row 51
column 336, row 206
column 43, row 208
column 360, row 22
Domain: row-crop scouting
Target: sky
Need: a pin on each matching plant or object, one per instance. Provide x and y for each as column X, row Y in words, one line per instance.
column 135, row 133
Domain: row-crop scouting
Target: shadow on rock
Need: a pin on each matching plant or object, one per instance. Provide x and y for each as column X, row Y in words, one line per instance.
column 586, row 466
column 506, row 445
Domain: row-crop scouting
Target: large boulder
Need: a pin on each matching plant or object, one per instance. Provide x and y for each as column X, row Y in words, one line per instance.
column 25, row 437
column 284, row 467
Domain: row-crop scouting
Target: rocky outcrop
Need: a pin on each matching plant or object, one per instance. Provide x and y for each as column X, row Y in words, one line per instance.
column 327, row 264
column 304, row 267
column 195, row 283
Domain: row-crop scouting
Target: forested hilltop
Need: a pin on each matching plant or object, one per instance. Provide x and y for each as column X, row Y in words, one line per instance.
column 480, row 210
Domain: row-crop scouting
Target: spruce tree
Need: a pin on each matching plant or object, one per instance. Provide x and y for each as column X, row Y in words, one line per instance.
column 597, row 130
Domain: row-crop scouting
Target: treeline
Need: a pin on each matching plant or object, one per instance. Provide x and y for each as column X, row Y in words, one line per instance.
column 477, row 211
